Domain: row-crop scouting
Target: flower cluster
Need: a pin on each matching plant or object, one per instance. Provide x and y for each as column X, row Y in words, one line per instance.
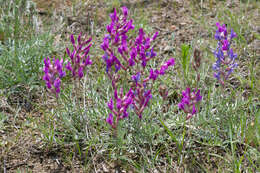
column 53, row 72
column 189, row 101
column 79, row 56
column 116, row 42
column 131, row 55
column 117, row 38
column 79, row 59
column 122, row 103
column 225, row 63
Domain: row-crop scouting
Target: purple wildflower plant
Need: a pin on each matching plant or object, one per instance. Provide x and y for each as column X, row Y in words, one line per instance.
column 53, row 72
column 189, row 102
column 79, row 58
column 225, row 62
column 131, row 55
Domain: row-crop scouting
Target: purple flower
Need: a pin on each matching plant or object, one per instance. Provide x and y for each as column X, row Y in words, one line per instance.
column 110, row 104
column 125, row 114
column 68, row 66
column 225, row 45
column 131, row 62
column 110, row 119
column 147, row 43
column 155, row 36
column 53, row 72
column 47, row 62
column 198, row 96
column 153, row 74
column 189, row 101
column 232, row 55
column 79, row 37
column 57, row 91
column 163, row 69
column 46, row 77
column 147, row 96
column 136, row 77
column 122, row 103
column 62, row 74
column 166, row 65
column 113, row 16
column 153, row 54
column 225, row 56
column 48, row 84
column 105, row 44
column 72, row 39
column 79, row 57
column 80, row 72
column 232, row 34
column 125, row 11
column 130, row 25
column 194, row 111
column 88, row 61
column 133, row 53
column 170, row 62
column 110, row 27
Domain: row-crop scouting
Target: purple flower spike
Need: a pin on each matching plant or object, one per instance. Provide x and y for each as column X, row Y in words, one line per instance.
column 53, row 72
column 225, row 57
column 79, row 57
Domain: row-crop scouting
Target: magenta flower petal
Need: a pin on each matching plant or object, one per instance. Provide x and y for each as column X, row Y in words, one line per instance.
column 68, row 66
column 194, row 111
column 72, row 39
column 171, row 62
column 110, row 104
column 80, row 72
column 125, row 11
column 56, row 83
column 155, row 36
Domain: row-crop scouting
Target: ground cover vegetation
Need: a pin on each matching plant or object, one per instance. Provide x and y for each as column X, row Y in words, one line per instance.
column 129, row 86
